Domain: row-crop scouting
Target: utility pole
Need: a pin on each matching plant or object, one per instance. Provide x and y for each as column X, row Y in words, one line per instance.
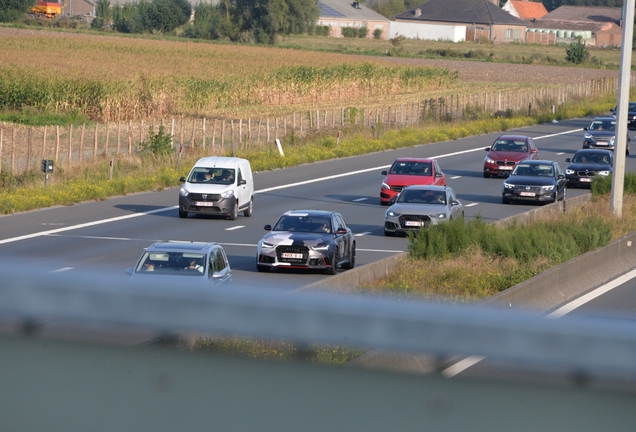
column 620, row 147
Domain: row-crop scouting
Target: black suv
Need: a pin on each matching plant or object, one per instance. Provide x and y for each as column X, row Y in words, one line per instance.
column 631, row 115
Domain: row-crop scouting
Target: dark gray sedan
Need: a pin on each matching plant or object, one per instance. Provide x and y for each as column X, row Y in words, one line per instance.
column 601, row 133
column 420, row 206
column 541, row 181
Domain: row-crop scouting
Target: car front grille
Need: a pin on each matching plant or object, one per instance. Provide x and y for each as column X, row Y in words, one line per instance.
column 304, row 250
column 586, row 173
column 535, row 189
column 505, row 163
column 405, row 219
column 204, row 197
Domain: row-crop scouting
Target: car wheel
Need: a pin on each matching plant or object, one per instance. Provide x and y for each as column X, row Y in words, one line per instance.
column 352, row 259
column 505, row 201
column 183, row 214
column 262, row 268
column 486, row 175
column 389, row 233
column 248, row 211
column 234, row 214
column 334, row 264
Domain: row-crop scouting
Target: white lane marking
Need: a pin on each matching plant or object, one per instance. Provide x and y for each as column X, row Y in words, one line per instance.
column 235, row 228
column 557, row 134
column 471, row 205
column 289, row 185
column 379, row 250
column 362, row 234
column 360, row 199
column 63, row 269
column 455, row 177
column 84, row 225
column 53, row 224
column 560, row 153
column 97, row 237
column 563, row 310
column 461, row 366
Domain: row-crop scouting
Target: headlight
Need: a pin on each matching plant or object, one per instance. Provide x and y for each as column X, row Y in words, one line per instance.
column 587, row 136
column 603, row 173
column 385, row 186
column 441, row 216
column 320, row 248
column 227, row 194
column 508, row 186
column 488, row 160
column 569, row 171
column 391, row 213
column 183, row 192
column 265, row 244
column 547, row 188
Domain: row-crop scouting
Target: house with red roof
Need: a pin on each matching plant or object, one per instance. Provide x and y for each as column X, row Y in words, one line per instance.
column 524, row 9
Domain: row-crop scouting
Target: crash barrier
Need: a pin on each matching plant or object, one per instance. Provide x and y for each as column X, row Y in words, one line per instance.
column 23, row 147
column 79, row 387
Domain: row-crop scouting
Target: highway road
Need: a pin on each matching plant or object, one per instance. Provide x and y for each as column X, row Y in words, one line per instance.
column 108, row 236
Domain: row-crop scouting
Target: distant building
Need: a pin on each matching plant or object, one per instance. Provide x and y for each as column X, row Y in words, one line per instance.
column 483, row 19
column 597, row 26
column 524, row 9
column 343, row 13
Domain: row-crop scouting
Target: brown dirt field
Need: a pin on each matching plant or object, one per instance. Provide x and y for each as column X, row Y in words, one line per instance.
column 469, row 71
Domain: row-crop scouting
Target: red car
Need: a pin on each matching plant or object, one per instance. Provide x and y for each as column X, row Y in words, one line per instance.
column 410, row 171
column 506, row 152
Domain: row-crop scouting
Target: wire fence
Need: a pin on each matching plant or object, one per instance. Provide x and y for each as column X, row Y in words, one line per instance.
column 22, row 147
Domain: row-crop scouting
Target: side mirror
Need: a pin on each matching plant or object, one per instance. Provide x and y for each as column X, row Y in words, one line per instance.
column 242, row 182
column 341, row 231
column 585, row 128
column 439, row 174
column 454, row 203
column 534, row 151
column 129, row 271
column 568, row 160
column 267, row 227
column 392, row 200
column 384, row 172
column 560, row 176
column 182, row 180
column 487, row 149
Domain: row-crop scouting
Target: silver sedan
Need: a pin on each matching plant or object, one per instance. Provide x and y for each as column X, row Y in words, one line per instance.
column 421, row 206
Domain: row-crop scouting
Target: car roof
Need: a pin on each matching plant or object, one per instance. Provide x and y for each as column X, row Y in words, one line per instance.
column 605, row 118
column 537, row 162
column 324, row 213
column 219, row 161
column 427, row 187
column 181, row 246
column 594, row 150
column 513, row 137
column 412, row 159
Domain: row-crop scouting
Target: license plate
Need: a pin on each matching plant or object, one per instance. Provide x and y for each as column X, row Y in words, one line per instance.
column 413, row 223
column 291, row 255
column 588, row 180
column 506, row 168
column 527, row 194
column 601, row 144
column 204, row 204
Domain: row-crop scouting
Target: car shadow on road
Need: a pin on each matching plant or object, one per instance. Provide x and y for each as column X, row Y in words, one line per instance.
column 469, row 198
column 161, row 211
column 356, row 199
column 461, row 173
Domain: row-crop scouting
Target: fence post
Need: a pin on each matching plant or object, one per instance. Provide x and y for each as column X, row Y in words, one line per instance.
column 107, row 138
column 213, row 144
column 203, row 132
column 129, row 134
column 29, row 146
column 13, row 151
column 81, row 151
column 172, row 134
column 57, row 143
column 222, row 135
column 118, row 136
column 193, row 141
column 70, row 144
column 44, row 143
column 1, row 141
column 95, row 142
column 267, row 127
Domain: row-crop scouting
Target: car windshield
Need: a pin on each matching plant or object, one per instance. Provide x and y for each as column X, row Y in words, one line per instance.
column 304, row 223
column 415, row 196
column 602, row 125
column 510, row 146
column 212, row 175
column 596, row 158
column 540, row 170
column 177, row 263
column 411, row 168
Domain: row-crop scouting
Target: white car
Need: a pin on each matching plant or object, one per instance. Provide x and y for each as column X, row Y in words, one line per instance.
column 420, row 206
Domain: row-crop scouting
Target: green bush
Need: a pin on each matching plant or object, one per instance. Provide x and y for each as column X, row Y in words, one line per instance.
column 159, row 144
column 577, row 53
column 349, row 32
column 377, row 33
column 363, row 32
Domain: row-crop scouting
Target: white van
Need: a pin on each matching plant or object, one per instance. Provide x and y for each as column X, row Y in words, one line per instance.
column 221, row 186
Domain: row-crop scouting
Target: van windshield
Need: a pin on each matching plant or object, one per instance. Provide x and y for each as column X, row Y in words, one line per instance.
column 212, row 175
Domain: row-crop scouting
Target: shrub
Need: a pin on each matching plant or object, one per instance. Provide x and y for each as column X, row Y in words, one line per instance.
column 159, row 144
column 377, row 33
column 577, row 53
column 349, row 32
column 363, row 32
